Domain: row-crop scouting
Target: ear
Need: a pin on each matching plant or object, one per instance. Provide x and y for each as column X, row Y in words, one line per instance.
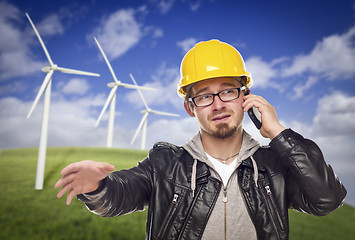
column 189, row 110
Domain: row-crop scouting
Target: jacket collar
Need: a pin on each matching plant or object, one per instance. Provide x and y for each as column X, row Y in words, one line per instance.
column 248, row 163
column 202, row 170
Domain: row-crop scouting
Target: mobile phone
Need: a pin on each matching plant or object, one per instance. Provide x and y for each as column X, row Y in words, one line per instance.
column 254, row 114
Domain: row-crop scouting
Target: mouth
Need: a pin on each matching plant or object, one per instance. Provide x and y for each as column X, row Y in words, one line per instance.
column 221, row 118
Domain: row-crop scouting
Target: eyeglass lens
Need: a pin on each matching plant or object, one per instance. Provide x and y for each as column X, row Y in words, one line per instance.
column 224, row 95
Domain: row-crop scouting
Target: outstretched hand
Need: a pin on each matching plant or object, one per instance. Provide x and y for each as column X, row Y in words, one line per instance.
column 271, row 126
column 82, row 177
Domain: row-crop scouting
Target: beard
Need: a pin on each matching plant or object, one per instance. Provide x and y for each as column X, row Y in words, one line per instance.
column 223, row 131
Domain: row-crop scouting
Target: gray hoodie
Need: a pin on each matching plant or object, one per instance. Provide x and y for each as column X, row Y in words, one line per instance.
column 230, row 218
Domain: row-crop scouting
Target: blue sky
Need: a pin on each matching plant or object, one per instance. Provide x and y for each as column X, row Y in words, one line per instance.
column 301, row 55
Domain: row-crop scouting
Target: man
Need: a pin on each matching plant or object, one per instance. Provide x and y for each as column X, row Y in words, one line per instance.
column 222, row 184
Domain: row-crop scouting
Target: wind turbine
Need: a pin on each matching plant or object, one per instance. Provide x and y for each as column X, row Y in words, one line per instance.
column 46, row 86
column 111, row 99
column 145, row 113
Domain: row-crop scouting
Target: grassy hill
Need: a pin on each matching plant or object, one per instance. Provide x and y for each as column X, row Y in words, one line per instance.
column 26, row 213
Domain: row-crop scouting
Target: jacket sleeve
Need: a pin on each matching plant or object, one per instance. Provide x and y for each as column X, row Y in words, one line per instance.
column 311, row 184
column 121, row 192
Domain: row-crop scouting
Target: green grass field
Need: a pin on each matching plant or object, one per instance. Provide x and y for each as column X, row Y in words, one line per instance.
column 26, row 213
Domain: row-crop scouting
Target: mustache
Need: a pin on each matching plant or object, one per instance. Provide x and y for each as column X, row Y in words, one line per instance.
column 220, row 113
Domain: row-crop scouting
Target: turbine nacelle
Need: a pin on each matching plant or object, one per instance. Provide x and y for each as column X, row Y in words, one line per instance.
column 112, row 84
column 47, row 69
column 144, row 111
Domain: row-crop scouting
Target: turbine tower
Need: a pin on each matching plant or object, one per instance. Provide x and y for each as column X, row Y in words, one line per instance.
column 144, row 120
column 46, row 86
column 111, row 99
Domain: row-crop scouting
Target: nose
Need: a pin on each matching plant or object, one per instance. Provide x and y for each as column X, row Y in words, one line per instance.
column 218, row 104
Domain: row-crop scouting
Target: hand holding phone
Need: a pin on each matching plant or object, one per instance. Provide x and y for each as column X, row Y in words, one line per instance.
column 254, row 114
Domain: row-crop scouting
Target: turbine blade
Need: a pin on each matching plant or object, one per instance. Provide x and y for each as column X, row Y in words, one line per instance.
column 106, row 60
column 40, row 92
column 109, row 99
column 164, row 113
column 144, row 118
column 40, row 40
column 140, row 93
column 135, row 87
column 72, row 71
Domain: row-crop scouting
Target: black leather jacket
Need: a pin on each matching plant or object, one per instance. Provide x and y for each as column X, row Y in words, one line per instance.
column 292, row 174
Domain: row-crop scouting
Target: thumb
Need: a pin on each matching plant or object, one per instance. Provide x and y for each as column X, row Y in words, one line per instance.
column 107, row 167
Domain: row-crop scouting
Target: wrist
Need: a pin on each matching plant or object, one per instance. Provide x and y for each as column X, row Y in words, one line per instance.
column 99, row 187
column 276, row 131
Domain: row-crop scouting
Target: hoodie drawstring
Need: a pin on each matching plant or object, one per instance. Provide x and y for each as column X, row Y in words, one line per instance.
column 255, row 170
column 193, row 177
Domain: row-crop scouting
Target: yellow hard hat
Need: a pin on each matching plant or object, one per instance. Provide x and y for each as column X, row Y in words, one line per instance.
column 211, row 59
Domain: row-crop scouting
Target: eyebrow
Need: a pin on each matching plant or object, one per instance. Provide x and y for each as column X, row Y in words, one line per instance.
column 206, row 88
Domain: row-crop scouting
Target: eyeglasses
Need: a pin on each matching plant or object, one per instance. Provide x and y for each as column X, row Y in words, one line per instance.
column 225, row 95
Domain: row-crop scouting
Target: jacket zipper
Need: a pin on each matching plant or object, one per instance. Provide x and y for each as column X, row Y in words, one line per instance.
column 269, row 193
column 225, row 200
column 172, row 206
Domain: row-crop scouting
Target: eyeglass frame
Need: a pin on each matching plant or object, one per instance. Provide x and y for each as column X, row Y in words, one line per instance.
column 192, row 99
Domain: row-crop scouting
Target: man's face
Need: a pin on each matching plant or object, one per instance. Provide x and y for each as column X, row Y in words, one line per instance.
column 221, row 119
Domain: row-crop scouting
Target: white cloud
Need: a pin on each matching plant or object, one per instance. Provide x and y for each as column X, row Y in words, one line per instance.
column 195, row 5
column 301, row 88
column 13, row 127
column 157, row 33
column 118, row 32
column 333, row 124
column 187, row 44
column 333, row 58
column 77, row 86
column 165, row 5
column 49, row 26
column 176, row 131
column 165, row 81
column 121, row 30
column 15, row 56
column 13, row 87
column 71, row 123
column 17, row 63
column 154, row 33
column 261, row 72
column 335, row 115
column 9, row 17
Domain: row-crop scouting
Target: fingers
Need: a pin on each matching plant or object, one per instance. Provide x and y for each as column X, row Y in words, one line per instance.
column 73, row 167
column 271, row 126
column 252, row 100
column 70, row 196
column 81, row 177
column 64, row 180
column 71, row 192
column 66, row 187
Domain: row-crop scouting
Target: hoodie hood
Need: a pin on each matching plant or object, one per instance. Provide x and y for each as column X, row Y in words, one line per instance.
column 195, row 148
